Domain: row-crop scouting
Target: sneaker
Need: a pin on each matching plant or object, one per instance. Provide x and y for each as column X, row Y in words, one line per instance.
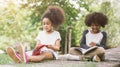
column 11, row 52
column 22, row 54
column 96, row 58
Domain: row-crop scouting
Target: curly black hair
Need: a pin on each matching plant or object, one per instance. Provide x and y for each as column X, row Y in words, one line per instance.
column 97, row 18
column 55, row 14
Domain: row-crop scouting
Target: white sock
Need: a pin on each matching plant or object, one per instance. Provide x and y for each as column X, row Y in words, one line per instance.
column 73, row 57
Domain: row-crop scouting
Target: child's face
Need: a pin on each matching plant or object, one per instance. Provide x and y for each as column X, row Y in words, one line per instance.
column 95, row 28
column 47, row 25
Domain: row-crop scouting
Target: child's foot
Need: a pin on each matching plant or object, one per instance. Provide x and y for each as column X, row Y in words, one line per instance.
column 96, row 58
column 11, row 52
column 22, row 53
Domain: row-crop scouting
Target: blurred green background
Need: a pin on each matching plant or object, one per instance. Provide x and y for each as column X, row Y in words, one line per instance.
column 20, row 20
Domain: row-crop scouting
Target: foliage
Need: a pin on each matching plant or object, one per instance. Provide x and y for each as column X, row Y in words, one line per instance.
column 21, row 23
column 15, row 26
column 113, row 23
column 70, row 16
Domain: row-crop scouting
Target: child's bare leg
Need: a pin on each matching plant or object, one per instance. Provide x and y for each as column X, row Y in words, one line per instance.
column 43, row 56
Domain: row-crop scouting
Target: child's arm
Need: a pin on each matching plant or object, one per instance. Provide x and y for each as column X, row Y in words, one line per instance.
column 55, row 47
column 103, row 41
column 83, row 40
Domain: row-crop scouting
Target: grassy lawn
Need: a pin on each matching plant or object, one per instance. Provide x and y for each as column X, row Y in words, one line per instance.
column 5, row 59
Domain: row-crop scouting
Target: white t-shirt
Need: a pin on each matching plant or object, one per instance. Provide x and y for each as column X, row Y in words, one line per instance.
column 96, row 38
column 47, row 39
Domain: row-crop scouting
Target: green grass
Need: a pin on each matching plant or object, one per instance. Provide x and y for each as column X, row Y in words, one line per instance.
column 5, row 59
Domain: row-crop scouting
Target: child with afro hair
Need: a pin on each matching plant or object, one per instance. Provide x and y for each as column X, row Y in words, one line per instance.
column 93, row 37
column 90, row 38
column 48, row 40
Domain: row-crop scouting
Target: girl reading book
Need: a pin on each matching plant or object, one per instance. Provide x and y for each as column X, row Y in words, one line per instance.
column 48, row 40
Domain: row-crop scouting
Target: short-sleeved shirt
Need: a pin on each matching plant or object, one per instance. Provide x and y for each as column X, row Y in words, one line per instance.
column 47, row 39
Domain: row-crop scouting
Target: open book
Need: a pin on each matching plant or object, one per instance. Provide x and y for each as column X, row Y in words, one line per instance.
column 85, row 51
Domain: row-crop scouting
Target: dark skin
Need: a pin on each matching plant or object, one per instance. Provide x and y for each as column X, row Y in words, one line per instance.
column 47, row 27
column 95, row 29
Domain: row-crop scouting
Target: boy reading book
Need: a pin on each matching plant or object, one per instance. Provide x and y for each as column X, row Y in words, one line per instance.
column 93, row 41
column 93, row 37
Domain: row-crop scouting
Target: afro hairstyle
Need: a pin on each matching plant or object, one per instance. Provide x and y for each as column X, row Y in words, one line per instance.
column 55, row 14
column 97, row 18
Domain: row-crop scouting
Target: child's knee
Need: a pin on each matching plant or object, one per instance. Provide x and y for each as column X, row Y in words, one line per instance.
column 101, row 50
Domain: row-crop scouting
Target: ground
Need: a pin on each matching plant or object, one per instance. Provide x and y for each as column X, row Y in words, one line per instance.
column 112, row 60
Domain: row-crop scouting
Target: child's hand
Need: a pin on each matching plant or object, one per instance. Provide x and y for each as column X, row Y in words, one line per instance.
column 37, row 49
column 53, row 47
column 92, row 44
column 49, row 46
column 39, row 46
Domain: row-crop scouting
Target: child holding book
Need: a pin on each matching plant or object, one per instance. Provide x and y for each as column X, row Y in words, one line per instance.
column 48, row 40
column 91, row 37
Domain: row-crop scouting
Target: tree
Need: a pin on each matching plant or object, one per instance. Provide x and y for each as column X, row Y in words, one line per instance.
column 70, row 14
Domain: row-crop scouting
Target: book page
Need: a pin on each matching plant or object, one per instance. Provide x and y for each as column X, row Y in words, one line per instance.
column 90, row 49
column 84, row 51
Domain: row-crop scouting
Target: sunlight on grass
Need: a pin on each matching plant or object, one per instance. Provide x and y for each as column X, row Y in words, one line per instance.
column 5, row 59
